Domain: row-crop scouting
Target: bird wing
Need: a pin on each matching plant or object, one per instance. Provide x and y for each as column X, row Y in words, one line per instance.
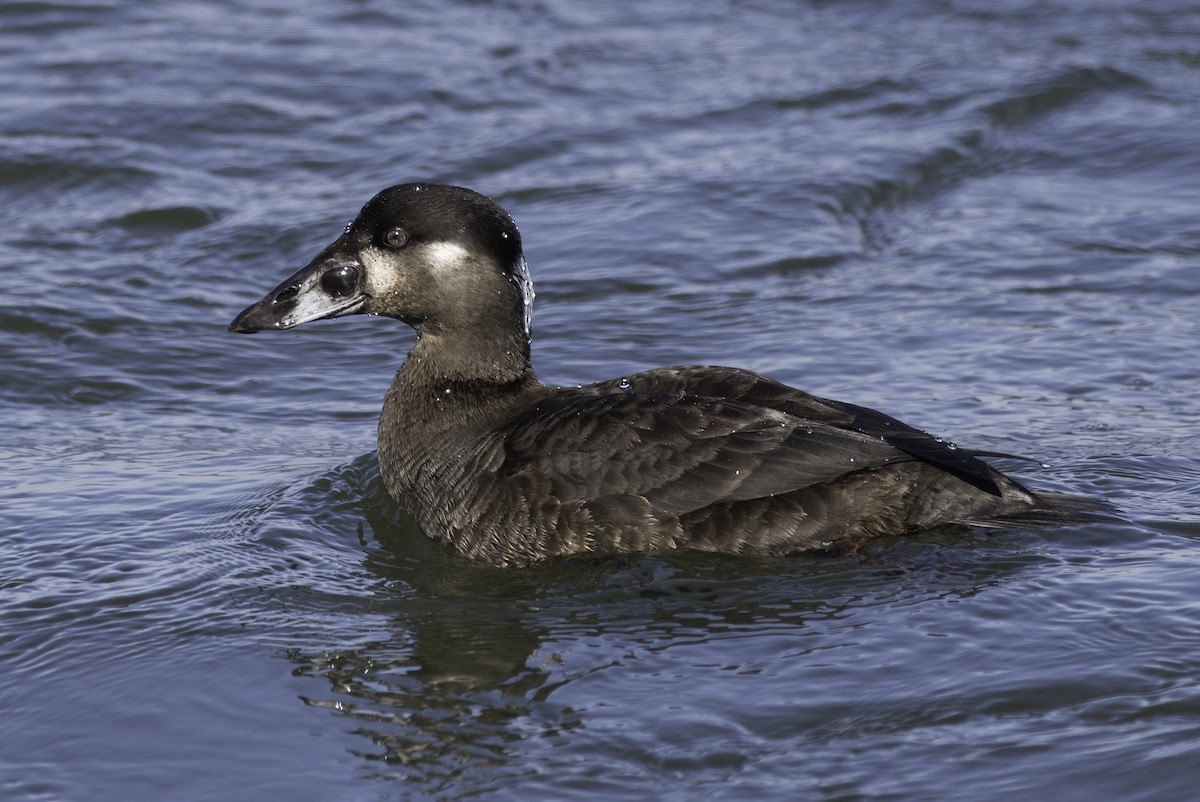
column 681, row 443
column 755, row 389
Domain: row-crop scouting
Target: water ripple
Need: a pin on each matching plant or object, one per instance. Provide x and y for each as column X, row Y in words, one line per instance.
column 981, row 221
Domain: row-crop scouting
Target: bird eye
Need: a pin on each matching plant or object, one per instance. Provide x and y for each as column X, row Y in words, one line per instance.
column 340, row 280
column 395, row 238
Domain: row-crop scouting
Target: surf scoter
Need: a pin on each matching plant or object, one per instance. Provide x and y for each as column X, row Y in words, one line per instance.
column 509, row 471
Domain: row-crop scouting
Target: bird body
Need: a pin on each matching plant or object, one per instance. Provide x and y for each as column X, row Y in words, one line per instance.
column 508, row 470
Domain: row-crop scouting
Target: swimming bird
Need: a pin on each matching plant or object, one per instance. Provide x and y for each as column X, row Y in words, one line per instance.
column 509, row 471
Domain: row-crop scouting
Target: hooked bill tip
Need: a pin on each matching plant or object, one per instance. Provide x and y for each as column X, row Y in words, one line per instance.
column 245, row 323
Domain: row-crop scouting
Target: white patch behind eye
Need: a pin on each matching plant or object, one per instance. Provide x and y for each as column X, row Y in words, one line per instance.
column 445, row 255
column 450, row 256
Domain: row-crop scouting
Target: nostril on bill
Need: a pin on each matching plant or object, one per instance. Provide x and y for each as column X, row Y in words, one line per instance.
column 286, row 294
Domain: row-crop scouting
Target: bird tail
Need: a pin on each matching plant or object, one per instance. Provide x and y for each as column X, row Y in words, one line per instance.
column 1053, row 509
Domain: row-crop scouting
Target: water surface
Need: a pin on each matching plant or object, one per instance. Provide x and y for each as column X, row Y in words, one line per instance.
column 979, row 218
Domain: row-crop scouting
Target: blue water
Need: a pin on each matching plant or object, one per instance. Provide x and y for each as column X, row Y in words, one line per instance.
column 980, row 218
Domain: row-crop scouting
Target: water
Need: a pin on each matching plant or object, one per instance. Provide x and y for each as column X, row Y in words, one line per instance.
column 980, row 219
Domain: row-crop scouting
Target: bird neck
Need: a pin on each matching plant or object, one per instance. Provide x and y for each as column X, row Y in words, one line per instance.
column 442, row 358
column 451, row 382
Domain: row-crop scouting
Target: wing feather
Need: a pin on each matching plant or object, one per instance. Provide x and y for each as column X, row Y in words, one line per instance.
column 681, row 450
column 759, row 390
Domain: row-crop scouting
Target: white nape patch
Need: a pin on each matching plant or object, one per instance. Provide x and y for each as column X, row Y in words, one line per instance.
column 520, row 277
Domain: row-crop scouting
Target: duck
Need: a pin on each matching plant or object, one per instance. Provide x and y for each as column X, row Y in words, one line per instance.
column 509, row 471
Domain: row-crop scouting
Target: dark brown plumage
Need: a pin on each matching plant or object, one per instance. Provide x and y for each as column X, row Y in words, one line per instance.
column 509, row 471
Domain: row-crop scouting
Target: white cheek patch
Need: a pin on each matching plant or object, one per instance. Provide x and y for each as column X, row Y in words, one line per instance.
column 378, row 271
